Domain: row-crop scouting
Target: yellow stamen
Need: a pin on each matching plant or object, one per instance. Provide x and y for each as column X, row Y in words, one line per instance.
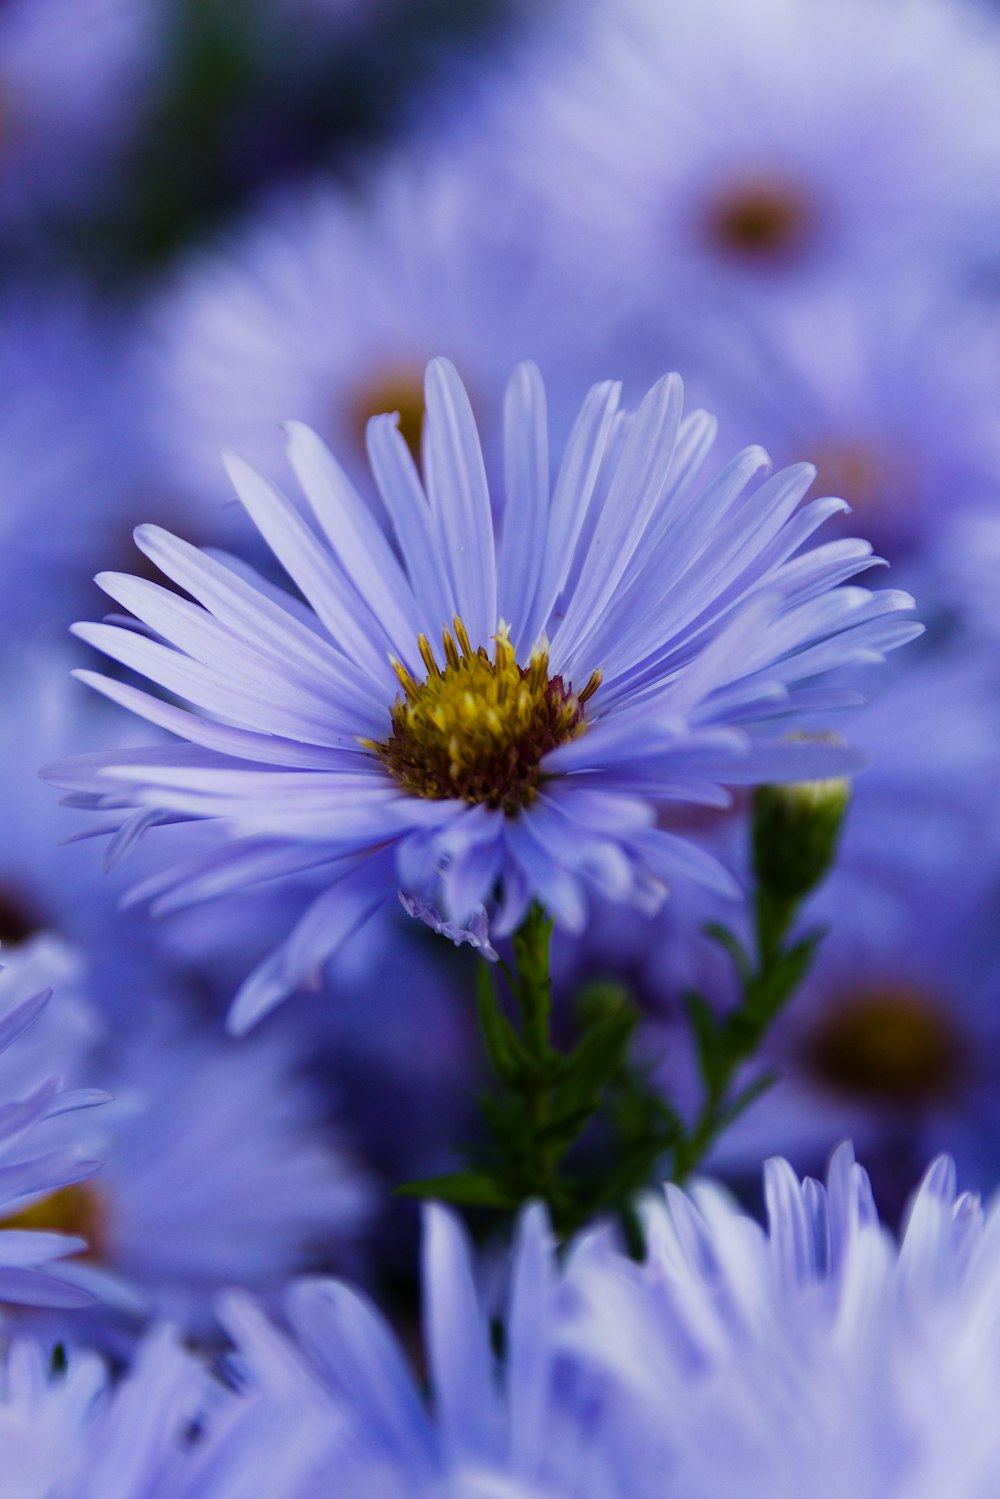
column 479, row 729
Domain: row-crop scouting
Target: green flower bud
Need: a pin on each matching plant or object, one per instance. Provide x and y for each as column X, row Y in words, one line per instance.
column 795, row 832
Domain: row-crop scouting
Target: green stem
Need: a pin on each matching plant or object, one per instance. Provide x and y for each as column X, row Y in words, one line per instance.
column 546, row 1098
column 739, row 1036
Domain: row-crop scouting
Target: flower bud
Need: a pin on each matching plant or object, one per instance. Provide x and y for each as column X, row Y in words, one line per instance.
column 795, row 833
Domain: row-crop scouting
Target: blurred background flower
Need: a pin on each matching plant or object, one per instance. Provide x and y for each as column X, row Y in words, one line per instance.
column 220, row 215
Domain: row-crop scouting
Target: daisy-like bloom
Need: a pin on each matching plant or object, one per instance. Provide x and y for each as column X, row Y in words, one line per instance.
column 730, row 151
column 41, row 1151
column 218, row 1168
column 80, row 1431
column 732, row 1361
column 483, row 707
column 889, row 390
column 329, row 303
column 893, row 1038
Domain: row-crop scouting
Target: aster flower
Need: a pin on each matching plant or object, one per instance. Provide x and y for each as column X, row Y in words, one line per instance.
column 893, row 1037
column 889, row 390
column 732, row 1360
column 218, row 1168
column 81, row 1431
column 728, row 152
column 606, row 647
column 40, row 1152
column 329, row 303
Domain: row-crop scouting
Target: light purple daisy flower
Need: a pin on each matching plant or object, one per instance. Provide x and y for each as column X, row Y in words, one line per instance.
column 734, row 151
column 81, row 1430
column 733, row 1360
column 219, row 1165
column 482, row 705
column 41, row 1152
column 329, row 303
column 888, row 389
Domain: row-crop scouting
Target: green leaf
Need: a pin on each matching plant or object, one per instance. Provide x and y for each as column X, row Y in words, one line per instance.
column 708, row 1037
column 511, row 1061
column 777, row 986
column 743, row 1100
column 596, row 1059
column 471, row 1189
column 732, row 945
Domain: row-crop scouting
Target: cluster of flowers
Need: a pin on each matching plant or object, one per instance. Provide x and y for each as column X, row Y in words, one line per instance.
column 492, row 618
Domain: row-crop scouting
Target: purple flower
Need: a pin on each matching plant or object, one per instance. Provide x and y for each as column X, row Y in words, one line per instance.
column 733, row 1360
column 713, row 152
column 40, row 1153
column 328, row 304
column 218, row 1166
column 481, row 706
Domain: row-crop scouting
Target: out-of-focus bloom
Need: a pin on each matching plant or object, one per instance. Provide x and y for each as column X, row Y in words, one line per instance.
column 710, row 149
column 891, row 393
column 79, row 1431
column 68, row 478
column 33, row 1162
column 74, row 75
column 218, row 1166
column 895, row 1037
column 327, row 305
column 733, row 1360
column 605, row 648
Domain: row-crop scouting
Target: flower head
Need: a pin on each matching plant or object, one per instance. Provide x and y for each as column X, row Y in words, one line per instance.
column 217, row 1167
column 737, row 153
column 82, row 1430
column 733, row 1360
column 328, row 303
column 640, row 621
column 888, row 389
column 42, row 1152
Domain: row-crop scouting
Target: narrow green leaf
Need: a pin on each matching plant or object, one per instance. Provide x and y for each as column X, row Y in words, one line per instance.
column 464, row 1188
column 743, row 1100
column 510, row 1060
column 731, row 944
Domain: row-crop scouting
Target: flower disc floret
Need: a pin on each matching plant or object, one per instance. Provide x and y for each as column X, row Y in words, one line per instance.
column 478, row 729
column 760, row 221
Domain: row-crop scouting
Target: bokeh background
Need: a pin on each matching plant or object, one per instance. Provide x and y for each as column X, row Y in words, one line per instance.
column 216, row 215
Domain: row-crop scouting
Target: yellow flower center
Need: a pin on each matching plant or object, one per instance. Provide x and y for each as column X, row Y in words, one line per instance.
column 401, row 389
column 77, row 1210
column 477, row 728
column 759, row 220
column 887, row 1044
